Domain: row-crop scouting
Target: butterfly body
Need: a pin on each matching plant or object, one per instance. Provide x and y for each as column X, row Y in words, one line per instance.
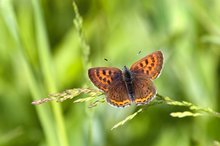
column 130, row 85
column 128, row 79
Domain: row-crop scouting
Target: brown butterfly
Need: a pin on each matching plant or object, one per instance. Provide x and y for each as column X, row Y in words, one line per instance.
column 127, row 86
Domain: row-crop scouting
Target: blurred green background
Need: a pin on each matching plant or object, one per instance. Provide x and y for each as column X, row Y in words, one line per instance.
column 42, row 52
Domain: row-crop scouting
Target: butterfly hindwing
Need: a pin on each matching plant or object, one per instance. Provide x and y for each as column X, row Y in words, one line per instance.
column 150, row 65
column 144, row 90
column 102, row 77
column 117, row 94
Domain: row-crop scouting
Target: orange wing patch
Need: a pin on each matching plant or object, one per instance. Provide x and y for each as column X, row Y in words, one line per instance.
column 143, row 100
column 150, row 65
column 119, row 103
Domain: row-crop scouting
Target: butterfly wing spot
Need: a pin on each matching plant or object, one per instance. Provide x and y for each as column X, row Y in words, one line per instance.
column 152, row 58
column 100, row 78
column 103, row 72
column 146, row 61
column 147, row 71
column 109, row 72
column 141, row 64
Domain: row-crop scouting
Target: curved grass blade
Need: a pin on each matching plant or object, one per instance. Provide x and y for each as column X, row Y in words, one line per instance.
column 130, row 117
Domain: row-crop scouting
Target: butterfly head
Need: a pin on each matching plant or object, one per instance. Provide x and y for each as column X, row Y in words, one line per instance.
column 127, row 73
column 125, row 68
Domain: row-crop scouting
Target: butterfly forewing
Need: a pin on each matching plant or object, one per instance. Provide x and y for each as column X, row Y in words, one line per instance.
column 102, row 77
column 150, row 65
column 144, row 90
column 117, row 94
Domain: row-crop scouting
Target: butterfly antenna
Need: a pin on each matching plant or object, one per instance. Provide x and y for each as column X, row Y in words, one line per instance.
column 107, row 60
column 139, row 52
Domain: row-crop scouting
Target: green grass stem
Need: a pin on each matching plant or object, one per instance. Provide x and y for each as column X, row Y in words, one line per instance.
column 43, row 112
column 48, row 70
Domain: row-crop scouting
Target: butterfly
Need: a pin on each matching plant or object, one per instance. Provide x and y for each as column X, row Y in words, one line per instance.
column 126, row 86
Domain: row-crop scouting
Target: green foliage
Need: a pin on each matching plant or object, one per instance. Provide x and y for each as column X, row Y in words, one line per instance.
column 47, row 47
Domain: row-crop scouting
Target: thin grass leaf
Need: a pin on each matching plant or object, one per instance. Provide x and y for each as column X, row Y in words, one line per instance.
column 130, row 117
